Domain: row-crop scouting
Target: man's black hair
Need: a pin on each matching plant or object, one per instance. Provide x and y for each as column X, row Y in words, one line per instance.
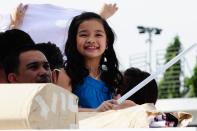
column 10, row 40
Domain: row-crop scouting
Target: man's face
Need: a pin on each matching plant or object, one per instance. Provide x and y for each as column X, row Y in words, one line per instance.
column 33, row 68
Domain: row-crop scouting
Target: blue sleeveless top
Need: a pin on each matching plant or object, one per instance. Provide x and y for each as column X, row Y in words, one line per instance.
column 92, row 93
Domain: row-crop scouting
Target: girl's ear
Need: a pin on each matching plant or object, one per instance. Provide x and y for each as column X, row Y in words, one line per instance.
column 12, row 78
column 106, row 44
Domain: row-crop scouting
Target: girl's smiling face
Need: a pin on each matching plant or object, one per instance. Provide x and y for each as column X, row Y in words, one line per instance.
column 91, row 39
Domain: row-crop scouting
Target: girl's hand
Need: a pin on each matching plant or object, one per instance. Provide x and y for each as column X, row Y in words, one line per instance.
column 108, row 10
column 106, row 105
column 125, row 104
column 17, row 15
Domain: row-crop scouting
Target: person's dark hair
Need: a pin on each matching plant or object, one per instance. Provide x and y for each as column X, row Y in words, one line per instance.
column 75, row 67
column 52, row 53
column 11, row 62
column 12, row 39
column 132, row 77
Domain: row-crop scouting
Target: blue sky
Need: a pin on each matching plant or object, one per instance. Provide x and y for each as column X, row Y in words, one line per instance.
column 175, row 17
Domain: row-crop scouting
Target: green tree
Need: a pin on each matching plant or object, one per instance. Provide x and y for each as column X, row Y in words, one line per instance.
column 169, row 86
column 191, row 83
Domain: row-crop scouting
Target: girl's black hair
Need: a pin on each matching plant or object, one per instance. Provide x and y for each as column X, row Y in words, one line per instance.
column 75, row 65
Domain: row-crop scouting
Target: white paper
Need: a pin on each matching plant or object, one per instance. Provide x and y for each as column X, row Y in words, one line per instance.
column 45, row 22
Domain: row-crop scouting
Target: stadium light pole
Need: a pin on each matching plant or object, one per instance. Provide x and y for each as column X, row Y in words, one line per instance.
column 150, row 31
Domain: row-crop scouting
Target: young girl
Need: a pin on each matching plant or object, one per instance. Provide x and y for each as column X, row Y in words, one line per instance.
column 91, row 62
